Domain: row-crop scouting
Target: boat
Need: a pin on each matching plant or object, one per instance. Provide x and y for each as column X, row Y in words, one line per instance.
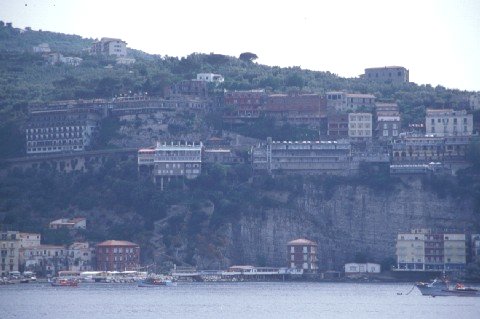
column 156, row 282
column 64, row 282
column 442, row 288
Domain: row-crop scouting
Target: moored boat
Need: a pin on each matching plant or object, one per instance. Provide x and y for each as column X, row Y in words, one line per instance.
column 156, row 282
column 442, row 288
column 64, row 282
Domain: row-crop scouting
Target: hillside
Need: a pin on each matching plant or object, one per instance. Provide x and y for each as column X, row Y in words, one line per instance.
column 228, row 214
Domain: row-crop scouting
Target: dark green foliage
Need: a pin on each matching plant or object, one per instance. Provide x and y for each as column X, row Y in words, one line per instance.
column 248, row 56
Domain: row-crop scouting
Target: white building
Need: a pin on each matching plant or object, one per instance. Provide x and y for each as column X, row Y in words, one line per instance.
column 210, row 77
column 42, row 48
column 362, row 268
column 359, row 125
column 447, row 122
column 69, row 223
column 80, row 257
column 110, row 46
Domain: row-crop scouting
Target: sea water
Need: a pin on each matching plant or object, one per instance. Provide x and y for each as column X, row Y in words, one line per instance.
column 231, row 300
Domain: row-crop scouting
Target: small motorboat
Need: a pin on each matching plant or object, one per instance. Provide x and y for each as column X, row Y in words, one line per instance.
column 156, row 282
column 64, row 282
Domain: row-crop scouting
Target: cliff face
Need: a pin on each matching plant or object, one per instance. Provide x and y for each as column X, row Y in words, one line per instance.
column 352, row 220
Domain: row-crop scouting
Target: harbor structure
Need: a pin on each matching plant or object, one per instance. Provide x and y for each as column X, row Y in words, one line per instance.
column 362, row 268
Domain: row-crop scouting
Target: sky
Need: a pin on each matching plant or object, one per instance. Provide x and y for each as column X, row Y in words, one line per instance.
column 437, row 40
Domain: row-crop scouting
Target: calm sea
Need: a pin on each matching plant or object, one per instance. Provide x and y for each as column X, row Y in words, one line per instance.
column 230, row 300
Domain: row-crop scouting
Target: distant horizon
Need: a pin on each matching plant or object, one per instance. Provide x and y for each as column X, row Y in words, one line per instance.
column 437, row 41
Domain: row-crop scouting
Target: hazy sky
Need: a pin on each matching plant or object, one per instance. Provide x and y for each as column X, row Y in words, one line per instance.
column 438, row 41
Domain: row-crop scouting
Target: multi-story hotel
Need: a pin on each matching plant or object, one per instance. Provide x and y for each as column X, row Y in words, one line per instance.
column 9, row 252
column 172, row 159
column 302, row 254
column 61, row 129
column 448, row 122
column 117, row 255
column 429, row 250
column 306, row 156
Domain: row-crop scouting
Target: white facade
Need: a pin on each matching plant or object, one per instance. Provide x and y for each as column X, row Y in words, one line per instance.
column 125, row 61
column 427, row 250
column 360, row 125
column 110, row 46
column 46, row 259
column 342, row 101
column 42, row 48
column 210, row 77
column 29, row 240
column 80, row 257
column 447, row 122
column 362, row 268
column 73, row 223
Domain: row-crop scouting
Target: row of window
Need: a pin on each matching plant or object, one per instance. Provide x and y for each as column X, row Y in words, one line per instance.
column 56, row 129
column 446, row 120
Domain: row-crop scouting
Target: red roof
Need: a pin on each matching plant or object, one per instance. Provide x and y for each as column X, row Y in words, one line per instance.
column 117, row 243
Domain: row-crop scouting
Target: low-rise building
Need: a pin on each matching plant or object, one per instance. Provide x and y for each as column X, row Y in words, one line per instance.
column 9, row 252
column 430, row 250
column 210, row 77
column 69, row 223
column 303, row 156
column 360, row 125
column 125, row 61
column 362, row 268
column 244, row 105
column 447, row 122
column 117, row 255
column 302, row 254
column 42, row 48
column 475, row 247
column 196, row 88
column 387, row 74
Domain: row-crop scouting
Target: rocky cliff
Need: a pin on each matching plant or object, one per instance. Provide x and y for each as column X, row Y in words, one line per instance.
column 349, row 221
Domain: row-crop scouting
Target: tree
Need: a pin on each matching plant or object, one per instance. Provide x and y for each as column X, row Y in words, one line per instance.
column 248, row 56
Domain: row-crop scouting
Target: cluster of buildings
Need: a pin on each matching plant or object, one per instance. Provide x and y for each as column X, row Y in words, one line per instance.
column 53, row 58
column 20, row 251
